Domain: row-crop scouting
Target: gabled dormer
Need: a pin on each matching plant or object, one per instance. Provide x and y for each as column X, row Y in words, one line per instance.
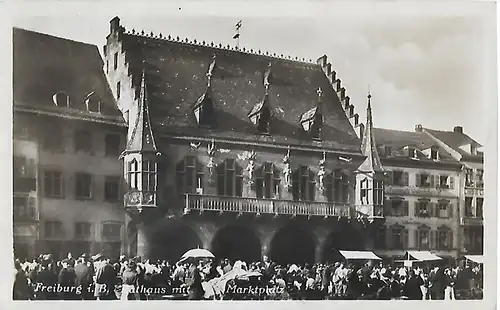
column 261, row 114
column 312, row 120
column 432, row 153
column 92, row 103
column 204, row 109
column 411, row 151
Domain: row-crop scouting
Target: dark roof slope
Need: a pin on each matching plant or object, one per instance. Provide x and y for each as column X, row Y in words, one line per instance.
column 397, row 140
column 44, row 65
column 176, row 78
column 454, row 139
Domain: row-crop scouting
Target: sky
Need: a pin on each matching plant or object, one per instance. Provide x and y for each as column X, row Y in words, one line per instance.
column 433, row 65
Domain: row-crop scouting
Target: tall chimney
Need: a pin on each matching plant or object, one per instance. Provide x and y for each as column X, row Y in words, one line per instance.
column 458, row 129
column 114, row 25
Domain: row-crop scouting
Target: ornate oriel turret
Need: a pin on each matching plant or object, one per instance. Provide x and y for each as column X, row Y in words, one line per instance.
column 370, row 175
column 141, row 159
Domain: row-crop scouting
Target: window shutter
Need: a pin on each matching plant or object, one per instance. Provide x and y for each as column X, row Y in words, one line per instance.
column 387, row 207
column 415, row 211
column 406, row 211
column 405, row 238
column 450, row 239
column 437, row 181
column 389, row 178
column 417, row 179
column 452, row 181
column 406, row 178
column 450, row 210
column 433, row 180
column 435, row 208
column 417, row 243
column 433, row 241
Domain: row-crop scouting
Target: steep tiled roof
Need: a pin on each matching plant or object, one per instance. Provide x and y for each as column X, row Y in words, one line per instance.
column 44, row 65
column 453, row 139
column 397, row 140
column 176, row 77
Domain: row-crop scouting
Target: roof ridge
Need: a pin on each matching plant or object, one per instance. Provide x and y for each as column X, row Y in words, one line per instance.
column 220, row 47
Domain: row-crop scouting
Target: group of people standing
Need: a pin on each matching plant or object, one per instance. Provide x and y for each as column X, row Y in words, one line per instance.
column 99, row 277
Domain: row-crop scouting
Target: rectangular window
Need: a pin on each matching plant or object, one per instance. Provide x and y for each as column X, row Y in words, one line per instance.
column 479, row 207
column 425, row 180
column 380, row 238
column 111, row 230
column 83, row 186
column 412, row 153
column 112, row 188
column 423, row 209
column 423, row 239
column 149, row 176
column 443, row 210
column 378, row 193
column 397, row 207
column 115, row 61
column 83, row 141
column 444, row 181
column 83, row 230
column 53, row 229
column 468, row 207
column 434, row 155
column 52, row 138
column 112, row 145
column 398, row 178
column 118, row 90
column 364, row 192
column 397, row 237
column 53, row 184
column 468, row 177
column 444, row 240
column 479, row 178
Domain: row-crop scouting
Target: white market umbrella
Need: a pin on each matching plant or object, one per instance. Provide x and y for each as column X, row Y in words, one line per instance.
column 197, row 253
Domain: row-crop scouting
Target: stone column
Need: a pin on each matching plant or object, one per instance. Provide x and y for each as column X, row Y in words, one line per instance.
column 142, row 241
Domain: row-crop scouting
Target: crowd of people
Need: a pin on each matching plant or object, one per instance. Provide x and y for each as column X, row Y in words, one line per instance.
column 99, row 277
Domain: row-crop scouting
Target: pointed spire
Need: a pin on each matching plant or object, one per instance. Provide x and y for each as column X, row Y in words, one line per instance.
column 372, row 162
column 142, row 138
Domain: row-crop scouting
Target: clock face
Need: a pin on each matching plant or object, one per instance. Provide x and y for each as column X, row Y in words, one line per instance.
column 134, row 198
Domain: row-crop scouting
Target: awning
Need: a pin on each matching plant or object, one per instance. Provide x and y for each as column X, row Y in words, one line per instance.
column 475, row 258
column 423, row 256
column 359, row 255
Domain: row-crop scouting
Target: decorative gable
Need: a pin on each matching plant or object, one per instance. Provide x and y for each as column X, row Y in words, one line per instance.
column 204, row 109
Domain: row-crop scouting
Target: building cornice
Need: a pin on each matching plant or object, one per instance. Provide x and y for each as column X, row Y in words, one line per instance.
column 87, row 118
column 412, row 163
column 262, row 144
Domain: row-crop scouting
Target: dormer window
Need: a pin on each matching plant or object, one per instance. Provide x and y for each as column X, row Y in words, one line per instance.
column 412, row 152
column 311, row 122
column 204, row 112
column 388, row 151
column 61, row 99
column 434, row 154
column 92, row 103
column 260, row 116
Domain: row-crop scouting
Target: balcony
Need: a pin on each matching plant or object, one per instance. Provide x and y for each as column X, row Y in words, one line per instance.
column 474, row 191
column 258, row 206
column 471, row 221
column 420, row 191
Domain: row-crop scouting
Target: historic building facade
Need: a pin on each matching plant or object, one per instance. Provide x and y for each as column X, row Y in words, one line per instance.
column 239, row 152
column 471, row 190
column 68, row 136
column 422, row 195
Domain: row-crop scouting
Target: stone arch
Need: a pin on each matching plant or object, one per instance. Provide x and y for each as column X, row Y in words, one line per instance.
column 293, row 245
column 347, row 238
column 169, row 241
column 236, row 243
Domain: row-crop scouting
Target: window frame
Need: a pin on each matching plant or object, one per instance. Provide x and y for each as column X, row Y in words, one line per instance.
column 108, row 181
column 190, row 171
column 78, row 230
column 267, row 182
column 82, row 141
column 231, row 175
column 51, row 177
column 303, row 184
column 86, row 186
column 117, row 225
column 133, row 173
column 51, row 232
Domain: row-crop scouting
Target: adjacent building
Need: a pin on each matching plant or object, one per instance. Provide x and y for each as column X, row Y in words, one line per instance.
column 422, row 195
column 468, row 153
column 67, row 139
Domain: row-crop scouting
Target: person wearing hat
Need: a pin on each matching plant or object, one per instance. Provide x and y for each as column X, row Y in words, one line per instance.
column 84, row 274
column 21, row 289
column 45, row 278
column 105, row 279
column 66, row 280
